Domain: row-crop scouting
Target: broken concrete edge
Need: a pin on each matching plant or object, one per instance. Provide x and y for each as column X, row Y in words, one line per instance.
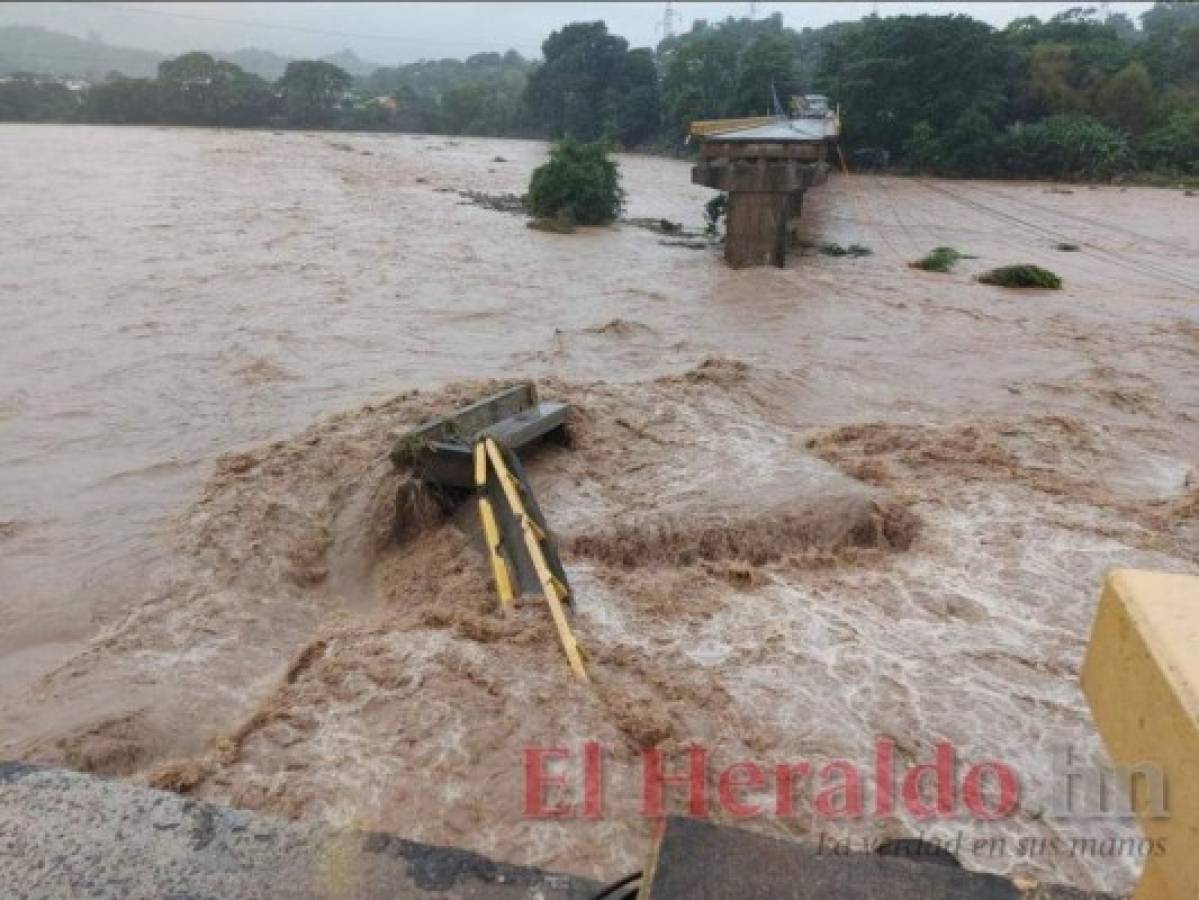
column 12, row 771
column 464, row 421
column 698, row 860
column 64, row 833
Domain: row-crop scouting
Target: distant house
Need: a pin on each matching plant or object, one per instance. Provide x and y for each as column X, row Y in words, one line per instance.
column 75, row 85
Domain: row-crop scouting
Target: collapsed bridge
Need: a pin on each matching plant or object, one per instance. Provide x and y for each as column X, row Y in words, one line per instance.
column 765, row 164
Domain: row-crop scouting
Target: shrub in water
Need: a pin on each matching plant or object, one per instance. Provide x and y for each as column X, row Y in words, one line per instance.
column 1021, row 276
column 715, row 210
column 579, row 184
column 942, row 259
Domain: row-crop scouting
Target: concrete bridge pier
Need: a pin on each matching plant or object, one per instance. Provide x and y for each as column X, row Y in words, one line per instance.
column 765, row 196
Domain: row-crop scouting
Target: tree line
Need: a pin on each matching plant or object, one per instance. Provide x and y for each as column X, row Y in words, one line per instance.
column 193, row 89
column 1078, row 95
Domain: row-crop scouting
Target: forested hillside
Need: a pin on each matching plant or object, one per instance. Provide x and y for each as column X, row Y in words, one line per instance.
column 1076, row 96
column 37, row 51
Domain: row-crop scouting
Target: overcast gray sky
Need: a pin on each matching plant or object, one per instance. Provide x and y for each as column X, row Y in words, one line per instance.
column 402, row 32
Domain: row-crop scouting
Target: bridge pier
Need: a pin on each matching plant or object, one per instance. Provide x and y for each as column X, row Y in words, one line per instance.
column 765, row 182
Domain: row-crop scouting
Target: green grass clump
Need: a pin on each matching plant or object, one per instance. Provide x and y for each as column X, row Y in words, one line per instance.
column 942, row 259
column 579, row 184
column 1024, row 275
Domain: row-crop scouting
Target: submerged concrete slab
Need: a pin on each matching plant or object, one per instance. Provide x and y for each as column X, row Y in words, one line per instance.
column 63, row 834
column 696, row 860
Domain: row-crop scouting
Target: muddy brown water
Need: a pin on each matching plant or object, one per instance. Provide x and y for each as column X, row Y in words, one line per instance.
column 208, row 336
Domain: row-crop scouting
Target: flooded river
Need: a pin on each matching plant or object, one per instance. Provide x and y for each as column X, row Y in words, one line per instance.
column 208, row 336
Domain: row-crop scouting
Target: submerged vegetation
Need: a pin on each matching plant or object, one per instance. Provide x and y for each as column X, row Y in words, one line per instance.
column 941, row 259
column 715, row 211
column 1024, row 275
column 1081, row 95
column 580, row 184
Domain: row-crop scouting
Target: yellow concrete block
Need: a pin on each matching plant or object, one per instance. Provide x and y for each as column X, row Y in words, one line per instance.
column 1152, row 885
column 1141, row 678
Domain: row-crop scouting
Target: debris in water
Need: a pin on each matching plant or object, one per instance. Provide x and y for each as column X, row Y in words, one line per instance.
column 505, row 203
column 658, row 226
column 835, row 249
column 11, row 528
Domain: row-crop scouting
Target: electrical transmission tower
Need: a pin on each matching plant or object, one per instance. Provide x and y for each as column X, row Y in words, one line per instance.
column 668, row 21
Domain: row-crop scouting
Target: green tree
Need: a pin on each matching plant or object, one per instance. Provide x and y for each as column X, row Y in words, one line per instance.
column 312, row 92
column 27, row 98
column 727, row 69
column 1066, row 60
column 632, row 107
column 195, row 89
column 123, row 101
column 892, row 73
column 1174, row 145
column 1054, row 81
column 972, row 145
column 579, row 183
column 592, row 86
column 479, row 95
column 1066, row 147
column 699, row 80
column 1172, row 42
column 768, row 61
column 565, row 94
column 924, row 151
column 1126, row 99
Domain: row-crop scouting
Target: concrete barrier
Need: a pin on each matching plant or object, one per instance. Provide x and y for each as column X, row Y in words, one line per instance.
column 1141, row 678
